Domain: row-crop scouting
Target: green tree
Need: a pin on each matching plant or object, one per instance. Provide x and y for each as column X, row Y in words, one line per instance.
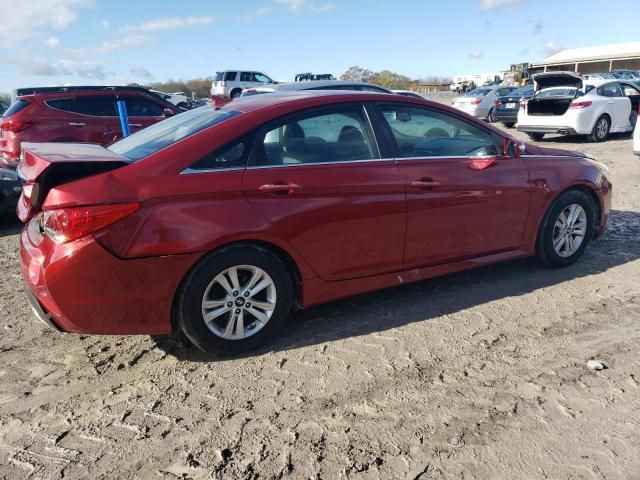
column 357, row 74
column 390, row 79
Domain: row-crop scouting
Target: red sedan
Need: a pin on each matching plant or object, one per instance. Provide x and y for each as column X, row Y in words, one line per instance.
column 219, row 222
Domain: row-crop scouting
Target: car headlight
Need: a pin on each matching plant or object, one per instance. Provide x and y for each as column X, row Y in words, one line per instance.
column 8, row 176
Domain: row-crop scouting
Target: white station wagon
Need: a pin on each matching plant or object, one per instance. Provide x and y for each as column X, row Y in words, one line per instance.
column 566, row 104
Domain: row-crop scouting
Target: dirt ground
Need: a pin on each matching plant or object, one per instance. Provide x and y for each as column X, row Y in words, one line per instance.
column 478, row 375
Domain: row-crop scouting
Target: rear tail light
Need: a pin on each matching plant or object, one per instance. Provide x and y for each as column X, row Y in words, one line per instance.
column 15, row 126
column 476, row 102
column 580, row 104
column 497, row 103
column 69, row 224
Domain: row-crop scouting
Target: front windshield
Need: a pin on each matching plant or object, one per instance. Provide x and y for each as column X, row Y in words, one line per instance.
column 167, row 132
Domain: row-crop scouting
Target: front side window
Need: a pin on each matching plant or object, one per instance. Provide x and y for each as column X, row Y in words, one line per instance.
column 421, row 132
column 258, row 77
column 162, row 134
column 340, row 136
column 141, row 107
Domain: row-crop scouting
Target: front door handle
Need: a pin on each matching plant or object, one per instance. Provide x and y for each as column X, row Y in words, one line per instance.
column 282, row 188
column 424, row 183
column 135, row 124
column 77, row 124
column 610, row 102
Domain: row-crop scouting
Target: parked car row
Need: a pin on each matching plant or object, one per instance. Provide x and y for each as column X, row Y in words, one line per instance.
column 75, row 114
column 561, row 103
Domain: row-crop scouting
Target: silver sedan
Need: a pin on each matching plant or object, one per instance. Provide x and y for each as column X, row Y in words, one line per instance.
column 480, row 101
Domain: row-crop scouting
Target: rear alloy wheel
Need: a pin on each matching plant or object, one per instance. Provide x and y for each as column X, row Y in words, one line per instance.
column 536, row 136
column 600, row 129
column 490, row 117
column 235, row 300
column 235, row 93
column 509, row 124
column 567, row 229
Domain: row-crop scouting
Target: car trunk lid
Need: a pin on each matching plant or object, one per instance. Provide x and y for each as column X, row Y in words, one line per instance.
column 557, row 79
column 46, row 165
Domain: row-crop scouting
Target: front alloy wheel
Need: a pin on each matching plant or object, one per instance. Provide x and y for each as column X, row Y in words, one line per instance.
column 569, row 230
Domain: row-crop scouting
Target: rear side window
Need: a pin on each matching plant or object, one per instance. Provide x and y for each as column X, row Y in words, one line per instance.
column 142, row 107
column 163, row 134
column 325, row 137
column 230, row 76
column 97, row 106
column 19, row 104
column 422, row 132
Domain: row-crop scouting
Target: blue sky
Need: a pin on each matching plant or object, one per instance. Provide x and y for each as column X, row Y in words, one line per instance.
column 57, row 42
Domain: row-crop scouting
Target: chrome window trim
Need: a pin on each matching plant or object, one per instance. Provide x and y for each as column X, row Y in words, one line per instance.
column 446, row 157
column 191, row 171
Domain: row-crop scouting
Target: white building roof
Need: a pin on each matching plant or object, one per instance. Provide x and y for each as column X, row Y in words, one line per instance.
column 602, row 52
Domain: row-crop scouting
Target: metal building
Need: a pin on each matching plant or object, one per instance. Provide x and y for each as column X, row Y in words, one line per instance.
column 599, row 59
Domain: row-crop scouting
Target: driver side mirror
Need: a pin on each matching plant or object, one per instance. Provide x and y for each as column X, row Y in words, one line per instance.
column 513, row 148
column 168, row 112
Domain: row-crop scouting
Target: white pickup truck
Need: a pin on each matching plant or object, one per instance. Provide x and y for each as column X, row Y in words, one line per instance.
column 636, row 139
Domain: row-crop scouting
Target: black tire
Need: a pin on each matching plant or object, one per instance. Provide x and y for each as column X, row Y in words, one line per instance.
column 509, row 124
column 545, row 251
column 188, row 308
column 536, row 136
column 601, row 129
column 235, row 93
column 490, row 118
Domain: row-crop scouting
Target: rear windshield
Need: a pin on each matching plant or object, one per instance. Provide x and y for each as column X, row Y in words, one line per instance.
column 167, row 132
column 478, row 92
column 18, row 105
column 522, row 92
column 557, row 92
column 219, row 76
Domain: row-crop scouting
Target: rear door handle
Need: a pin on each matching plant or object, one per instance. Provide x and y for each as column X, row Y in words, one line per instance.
column 283, row 188
column 424, row 184
column 77, row 124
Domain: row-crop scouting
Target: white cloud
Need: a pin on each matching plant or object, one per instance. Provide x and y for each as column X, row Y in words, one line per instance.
column 306, row 5
column 52, row 42
column 476, row 54
column 28, row 18
column 124, row 42
column 552, row 47
column 168, row 23
column 258, row 12
column 491, row 4
column 39, row 67
column 141, row 72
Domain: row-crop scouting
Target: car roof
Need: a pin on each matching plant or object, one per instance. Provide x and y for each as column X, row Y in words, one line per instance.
column 310, row 84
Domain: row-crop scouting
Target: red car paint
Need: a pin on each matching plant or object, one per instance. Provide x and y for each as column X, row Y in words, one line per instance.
column 353, row 227
column 40, row 122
